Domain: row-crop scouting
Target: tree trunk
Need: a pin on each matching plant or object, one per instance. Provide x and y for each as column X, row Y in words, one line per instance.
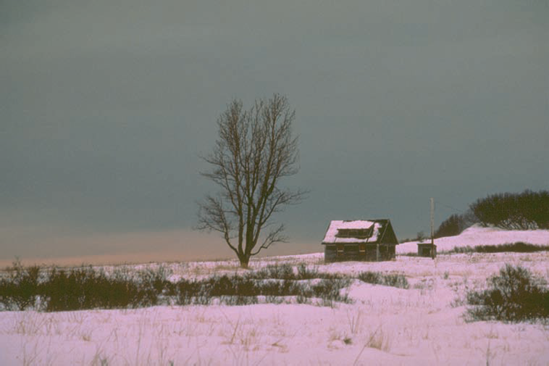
column 244, row 261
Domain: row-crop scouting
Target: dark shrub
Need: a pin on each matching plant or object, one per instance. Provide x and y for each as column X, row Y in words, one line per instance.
column 303, row 273
column 20, row 289
column 86, row 288
column 378, row 278
column 154, row 280
column 89, row 288
column 449, row 227
column 330, row 290
column 513, row 295
column 514, row 211
column 283, row 271
column 370, row 277
column 79, row 288
column 518, row 247
column 455, row 224
column 452, row 226
column 243, row 290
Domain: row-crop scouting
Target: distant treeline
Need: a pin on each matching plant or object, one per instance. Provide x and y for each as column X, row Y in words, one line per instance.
column 518, row 247
column 513, row 211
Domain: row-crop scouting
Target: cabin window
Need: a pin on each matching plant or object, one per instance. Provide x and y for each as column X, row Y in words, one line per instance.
column 340, row 250
column 362, row 248
column 355, row 233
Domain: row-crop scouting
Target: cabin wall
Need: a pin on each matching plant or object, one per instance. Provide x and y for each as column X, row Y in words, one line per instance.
column 330, row 254
column 389, row 236
column 351, row 253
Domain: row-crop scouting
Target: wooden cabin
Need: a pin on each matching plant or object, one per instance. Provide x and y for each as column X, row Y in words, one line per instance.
column 359, row 240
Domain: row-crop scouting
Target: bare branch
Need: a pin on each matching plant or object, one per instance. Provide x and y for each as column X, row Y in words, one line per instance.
column 254, row 151
column 274, row 236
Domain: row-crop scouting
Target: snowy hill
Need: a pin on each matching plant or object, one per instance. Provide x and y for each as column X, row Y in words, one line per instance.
column 477, row 235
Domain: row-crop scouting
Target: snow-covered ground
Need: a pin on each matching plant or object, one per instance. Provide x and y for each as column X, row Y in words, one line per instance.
column 477, row 235
column 422, row 325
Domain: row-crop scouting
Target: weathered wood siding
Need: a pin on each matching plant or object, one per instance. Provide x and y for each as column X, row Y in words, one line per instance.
column 351, row 253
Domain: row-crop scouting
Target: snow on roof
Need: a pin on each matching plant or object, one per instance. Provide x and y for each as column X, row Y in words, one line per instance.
column 336, row 225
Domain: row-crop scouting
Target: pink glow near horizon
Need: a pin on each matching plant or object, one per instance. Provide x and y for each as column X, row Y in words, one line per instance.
column 134, row 247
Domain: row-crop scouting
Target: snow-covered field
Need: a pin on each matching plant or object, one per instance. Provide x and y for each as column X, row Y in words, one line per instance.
column 477, row 235
column 422, row 325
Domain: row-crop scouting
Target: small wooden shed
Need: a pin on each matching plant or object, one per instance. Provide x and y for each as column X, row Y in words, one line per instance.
column 359, row 240
column 426, row 250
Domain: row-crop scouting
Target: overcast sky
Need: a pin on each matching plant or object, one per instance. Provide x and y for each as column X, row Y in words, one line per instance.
column 106, row 107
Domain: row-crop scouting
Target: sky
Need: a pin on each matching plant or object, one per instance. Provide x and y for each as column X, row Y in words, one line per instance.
column 107, row 106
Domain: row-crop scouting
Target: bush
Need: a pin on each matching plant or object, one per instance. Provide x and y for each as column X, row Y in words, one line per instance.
column 88, row 288
column 19, row 290
column 513, row 295
column 277, row 271
column 378, row 278
column 449, row 227
column 522, row 211
column 80, row 288
column 229, row 289
column 285, row 271
column 518, row 247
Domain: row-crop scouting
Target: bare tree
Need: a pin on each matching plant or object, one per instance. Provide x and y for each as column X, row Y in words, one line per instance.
column 254, row 151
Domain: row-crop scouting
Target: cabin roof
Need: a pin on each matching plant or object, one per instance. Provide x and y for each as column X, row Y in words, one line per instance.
column 356, row 231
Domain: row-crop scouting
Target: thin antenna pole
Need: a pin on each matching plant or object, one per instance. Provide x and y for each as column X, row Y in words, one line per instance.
column 433, row 228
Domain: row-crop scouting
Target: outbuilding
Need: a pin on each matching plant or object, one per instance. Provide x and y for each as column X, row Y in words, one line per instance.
column 359, row 240
column 427, row 250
